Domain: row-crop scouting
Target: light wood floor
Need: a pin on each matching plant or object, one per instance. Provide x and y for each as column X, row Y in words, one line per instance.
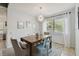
column 65, row 51
column 68, row 52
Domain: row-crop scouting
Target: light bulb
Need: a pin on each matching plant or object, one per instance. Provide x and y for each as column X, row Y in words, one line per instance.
column 40, row 18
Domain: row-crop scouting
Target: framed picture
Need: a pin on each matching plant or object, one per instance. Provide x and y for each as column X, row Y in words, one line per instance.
column 27, row 23
column 20, row 25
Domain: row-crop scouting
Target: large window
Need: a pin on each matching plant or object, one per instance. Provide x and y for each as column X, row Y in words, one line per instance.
column 59, row 25
column 56, row 25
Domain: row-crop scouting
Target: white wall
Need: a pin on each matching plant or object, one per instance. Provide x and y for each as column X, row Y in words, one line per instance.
column 76, row 30
column 72, row 28
column 15, row 15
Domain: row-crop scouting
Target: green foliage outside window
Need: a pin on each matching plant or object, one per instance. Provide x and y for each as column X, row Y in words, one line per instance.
column 55, row 25
column 59, row 25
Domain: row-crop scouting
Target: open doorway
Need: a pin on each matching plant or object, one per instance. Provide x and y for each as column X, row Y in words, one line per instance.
column 3, row 24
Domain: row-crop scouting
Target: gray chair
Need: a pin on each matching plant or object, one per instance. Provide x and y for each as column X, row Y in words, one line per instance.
column 23, row 45
column 19, row 51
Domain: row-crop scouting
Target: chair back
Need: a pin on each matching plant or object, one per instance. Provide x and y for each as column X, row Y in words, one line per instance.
column 16, row 47
column 50, row 38
column 46, row 42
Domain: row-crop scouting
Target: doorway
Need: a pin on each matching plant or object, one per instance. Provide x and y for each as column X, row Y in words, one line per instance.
column 3, row 25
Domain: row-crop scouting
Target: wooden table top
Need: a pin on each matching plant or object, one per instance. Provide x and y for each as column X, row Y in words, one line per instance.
column 32, row 39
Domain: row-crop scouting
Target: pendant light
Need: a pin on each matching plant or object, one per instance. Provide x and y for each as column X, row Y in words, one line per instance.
column 40, row 17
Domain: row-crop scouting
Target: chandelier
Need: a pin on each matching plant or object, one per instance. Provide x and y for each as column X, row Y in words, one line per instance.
column 40, row 17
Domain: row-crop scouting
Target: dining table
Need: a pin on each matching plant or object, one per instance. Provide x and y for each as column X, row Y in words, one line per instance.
column 31, row 40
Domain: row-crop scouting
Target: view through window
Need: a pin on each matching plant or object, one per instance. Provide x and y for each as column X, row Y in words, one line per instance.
column 56, row 25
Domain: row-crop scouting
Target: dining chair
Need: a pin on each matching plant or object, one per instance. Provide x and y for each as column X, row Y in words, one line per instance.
column 18, row 50
column 23, row 45
column 44, row 48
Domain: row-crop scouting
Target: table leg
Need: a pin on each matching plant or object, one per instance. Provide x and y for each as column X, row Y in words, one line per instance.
column 31, row 50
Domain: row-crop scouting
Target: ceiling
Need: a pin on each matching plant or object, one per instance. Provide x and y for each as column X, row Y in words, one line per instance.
column 47, row 8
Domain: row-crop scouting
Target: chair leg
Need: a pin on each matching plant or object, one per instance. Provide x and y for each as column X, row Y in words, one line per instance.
column 41, row 53
column 47, row 51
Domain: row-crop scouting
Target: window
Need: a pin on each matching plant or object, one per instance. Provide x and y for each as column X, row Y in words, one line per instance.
column 59, row 25
column 56, row 25
column 49, row 24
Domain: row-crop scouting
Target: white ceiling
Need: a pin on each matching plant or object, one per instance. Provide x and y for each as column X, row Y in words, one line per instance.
column 47, row 8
